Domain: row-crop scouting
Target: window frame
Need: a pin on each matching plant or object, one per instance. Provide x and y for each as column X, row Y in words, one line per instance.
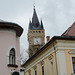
column 42, row 70
column 73, row 63
column 12, row 56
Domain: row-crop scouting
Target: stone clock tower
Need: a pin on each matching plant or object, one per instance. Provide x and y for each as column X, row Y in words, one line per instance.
column 36, row 34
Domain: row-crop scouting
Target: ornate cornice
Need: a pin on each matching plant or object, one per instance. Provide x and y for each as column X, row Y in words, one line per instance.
column 35, row 67
column 42, row 62
column 72, row 52
column 50, row 57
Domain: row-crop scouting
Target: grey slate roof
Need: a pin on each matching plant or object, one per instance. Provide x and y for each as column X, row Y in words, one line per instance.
column 35, row 24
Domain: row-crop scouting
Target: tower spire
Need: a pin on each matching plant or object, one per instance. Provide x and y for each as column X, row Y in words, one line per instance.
column 34, row 5
column 35, row 24
column 35, row 20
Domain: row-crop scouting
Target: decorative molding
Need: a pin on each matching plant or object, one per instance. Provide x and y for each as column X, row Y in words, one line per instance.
column 12, row 65
column 72, row 52
column 38, row 60
column 50, row 57
column 35, row 67
column 42, row 62
column 29, row 71
column 60, row 46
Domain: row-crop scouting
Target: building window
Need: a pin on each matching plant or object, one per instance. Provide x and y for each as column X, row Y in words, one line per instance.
column 39, row 32
column 15, row 73
column 73, row 61
column 35, row 72
column 29, row 72
column 33, row 31
column 42, row 70
column 36, row 31
column 12, row 56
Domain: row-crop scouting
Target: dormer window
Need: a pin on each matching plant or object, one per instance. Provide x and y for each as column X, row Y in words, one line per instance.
column 12, row 56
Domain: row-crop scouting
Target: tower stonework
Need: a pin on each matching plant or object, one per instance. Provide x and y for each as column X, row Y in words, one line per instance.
column 36, row 34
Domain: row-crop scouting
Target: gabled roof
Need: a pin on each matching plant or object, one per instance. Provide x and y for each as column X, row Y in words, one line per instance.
column 70, row 31
column 35, row 24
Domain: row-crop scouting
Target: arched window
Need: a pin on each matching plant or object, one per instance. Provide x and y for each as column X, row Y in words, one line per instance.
column 15, row 73
column 12, row 56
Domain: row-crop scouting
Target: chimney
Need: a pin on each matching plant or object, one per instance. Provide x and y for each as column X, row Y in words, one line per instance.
column 47, row 38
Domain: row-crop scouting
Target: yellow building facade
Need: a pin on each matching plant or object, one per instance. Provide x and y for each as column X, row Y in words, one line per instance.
column 57, row 57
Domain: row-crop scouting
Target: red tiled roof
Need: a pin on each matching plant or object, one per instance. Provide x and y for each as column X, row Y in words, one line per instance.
column 70, row 31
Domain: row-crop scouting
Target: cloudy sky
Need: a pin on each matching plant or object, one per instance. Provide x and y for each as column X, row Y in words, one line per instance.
column 57, row 15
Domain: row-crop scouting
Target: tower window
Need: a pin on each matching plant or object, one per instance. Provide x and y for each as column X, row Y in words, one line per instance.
column 12, row 56
column 33, row 31
column 36, row 31
column 39, row 32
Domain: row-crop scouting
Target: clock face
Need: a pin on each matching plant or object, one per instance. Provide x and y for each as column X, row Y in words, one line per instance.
column 37, row 41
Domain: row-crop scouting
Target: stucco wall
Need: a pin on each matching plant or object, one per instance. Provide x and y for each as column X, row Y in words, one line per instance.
column 8, row 40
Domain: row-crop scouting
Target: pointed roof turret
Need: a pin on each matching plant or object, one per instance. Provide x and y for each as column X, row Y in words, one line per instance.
column 30, row 25
column 35, row 20
column 35, row 24
column 42, row 25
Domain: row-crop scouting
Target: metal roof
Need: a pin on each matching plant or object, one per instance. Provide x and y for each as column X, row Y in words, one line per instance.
column 35, row 24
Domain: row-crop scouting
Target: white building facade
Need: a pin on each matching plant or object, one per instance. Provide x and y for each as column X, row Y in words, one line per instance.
column 10, row 48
